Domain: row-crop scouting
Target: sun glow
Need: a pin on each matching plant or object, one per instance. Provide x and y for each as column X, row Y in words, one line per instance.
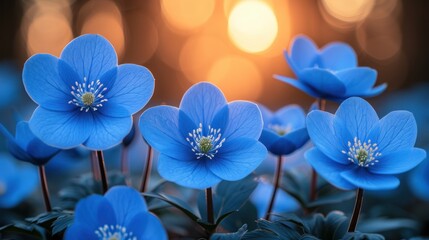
column 252, row 26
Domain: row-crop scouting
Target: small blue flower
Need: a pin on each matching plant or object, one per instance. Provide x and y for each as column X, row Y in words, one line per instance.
column 9, row 79
column 84, row 97
column 16, row 182
column 356, row 149
column 205, row 140
column 283, row 203
column 25, row 146
column 284, row 131
column 329, row 73
column 120, row 214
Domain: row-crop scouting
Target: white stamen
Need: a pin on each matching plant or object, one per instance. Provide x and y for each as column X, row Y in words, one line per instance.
column 363, row 154
column 114, row 232
column 88, row 96
column 205, row 146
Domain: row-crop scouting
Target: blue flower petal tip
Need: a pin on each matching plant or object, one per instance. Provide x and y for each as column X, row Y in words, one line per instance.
column 284, row 131
column 205, row 140
column 91, row 99
column 120, row 214
column 330, row 72
column 356, row 149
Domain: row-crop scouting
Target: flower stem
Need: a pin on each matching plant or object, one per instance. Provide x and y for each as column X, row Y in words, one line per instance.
column 103, row 172
column 277, row 177
column 45, row 189
column 94, row 166
column 146, row 175
column 356, row 210
column 124, row 164
column 313, row 187
column 209, row 204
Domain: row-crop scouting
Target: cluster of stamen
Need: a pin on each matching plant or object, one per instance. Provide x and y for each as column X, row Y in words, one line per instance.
column 205, row 144
column 88, row 96
column 114, row 232
column 280, row 129
column 363, row 154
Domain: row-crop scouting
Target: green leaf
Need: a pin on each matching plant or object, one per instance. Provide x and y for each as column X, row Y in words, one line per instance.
column 24, row 229
column 62, row 223
column 230, row 236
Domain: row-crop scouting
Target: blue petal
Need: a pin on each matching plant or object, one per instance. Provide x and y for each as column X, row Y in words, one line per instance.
column 419, row 181
column 303, row 53
column 80, row 231
column 291, row 115
column 358, row 117
column 44, row 84
column 61, row 129
column 132, row 89
column 357, row 80
column 321, row 131
column 323, row 81
column 266, row 115
column 14, row 148
column 397, row 131
column 268, row 138
column 375, row 91
column 23, row 134
column 244, row 120
column 329, row 169
column 20, row 185
column 108, row 131
column 94, row 211
column 90, row 56
column 282, row 146
column 126, row 203
column 361, row 178
column 147, row 227
column 159, row 127
column 298, row 84
column 336, row 56
column 237, row 158
column 399, row 161
column 191, row 172
column 201, row 103
column 298, row 137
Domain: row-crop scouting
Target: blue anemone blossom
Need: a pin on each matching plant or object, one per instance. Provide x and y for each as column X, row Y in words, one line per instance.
column 206, row 139
column 84, row 97
column 120, row 214
column 16, row 181
column 356, row 149
column 284, row 131
column 25, row 146
column 329, row 73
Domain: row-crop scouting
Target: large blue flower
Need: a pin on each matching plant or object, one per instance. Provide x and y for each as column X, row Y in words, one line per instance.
column 284, row 131
column 84, row 96
column 120, row 214
column 16, row 182
column 354, row 149
column 206, row 139
column 329, row 73
column 26, row 146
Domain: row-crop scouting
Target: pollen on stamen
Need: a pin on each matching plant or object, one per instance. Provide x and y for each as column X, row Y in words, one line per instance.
column 88, row 96
column 363, row 154
column 205, row 145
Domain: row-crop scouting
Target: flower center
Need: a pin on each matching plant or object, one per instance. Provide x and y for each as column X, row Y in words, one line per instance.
column 112, row 232
column 363, row 154
column 280, row 129
column 205, row 144
column 88, row 96
column 2, row 188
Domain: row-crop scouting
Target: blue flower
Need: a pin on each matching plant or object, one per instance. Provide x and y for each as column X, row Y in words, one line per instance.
column 284, row 131
column 25, row 146
column 356, row 149
column 283, row 203
column 16, row 182
column 419, row 181
column 329, row 73
column 84, row 97
column 9, row 78
column 120, row 214
column 206, row 139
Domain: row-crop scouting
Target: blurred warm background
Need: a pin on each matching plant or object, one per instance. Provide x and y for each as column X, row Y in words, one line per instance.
column 236, row 44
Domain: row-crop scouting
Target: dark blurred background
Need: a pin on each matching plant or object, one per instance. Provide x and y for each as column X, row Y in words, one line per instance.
column 238, row 45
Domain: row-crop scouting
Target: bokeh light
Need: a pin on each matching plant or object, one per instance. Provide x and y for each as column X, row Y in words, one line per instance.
column 252, row 26
column 348, row 11
column 103, row 17
column 186, row 15
column 237, row 77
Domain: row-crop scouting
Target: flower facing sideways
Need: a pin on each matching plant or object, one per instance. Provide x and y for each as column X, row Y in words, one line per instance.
column 284, row 131
column 84, row 97
column 206, row 139
column 356, row 149
column 120, row 214
column 330, row 73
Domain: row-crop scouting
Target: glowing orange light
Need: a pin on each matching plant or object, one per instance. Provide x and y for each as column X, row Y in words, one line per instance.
column 237, row 77
column 252, row 26
column 187, row 14
column 348, row 11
